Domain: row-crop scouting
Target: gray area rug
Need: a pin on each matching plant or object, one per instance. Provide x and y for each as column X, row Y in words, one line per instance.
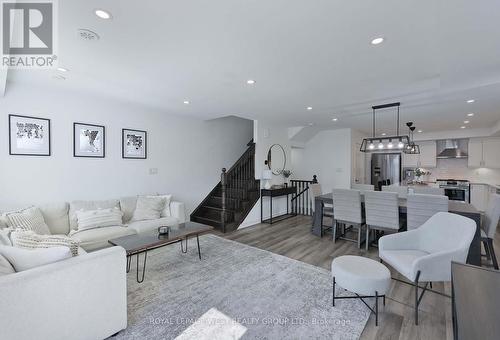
column 236, row 292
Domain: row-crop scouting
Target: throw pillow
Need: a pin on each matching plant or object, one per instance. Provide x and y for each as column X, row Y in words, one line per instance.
column 24, row 259
column 5, row 237
column 166, row 210
column 5, row 266
column 28, row 219
column 148, row 208
column 88, row 205
column 99, row 218
column 30, row 240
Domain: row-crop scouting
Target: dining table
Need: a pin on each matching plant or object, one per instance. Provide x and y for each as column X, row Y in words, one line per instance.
column 457, row 207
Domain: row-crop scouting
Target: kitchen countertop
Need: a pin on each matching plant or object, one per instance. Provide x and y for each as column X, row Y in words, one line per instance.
column 496, row 186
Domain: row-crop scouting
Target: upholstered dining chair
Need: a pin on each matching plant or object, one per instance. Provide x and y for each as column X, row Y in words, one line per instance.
column 327, row 208
column 489, row 227
column 382, row 212
column 348, row 212
column 424, row 255
column 362, row 187
column 428, row 190
column 402, row 191
column 419, row 208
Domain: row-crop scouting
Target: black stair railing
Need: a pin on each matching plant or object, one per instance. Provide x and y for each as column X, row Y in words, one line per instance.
column 236, row 183
column 301, row 204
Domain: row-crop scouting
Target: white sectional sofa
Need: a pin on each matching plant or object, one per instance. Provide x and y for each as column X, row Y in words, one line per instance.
column 61, row 219
column 84, row 297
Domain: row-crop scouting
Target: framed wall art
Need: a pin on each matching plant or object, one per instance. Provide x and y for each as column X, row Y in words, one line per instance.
column 29, row 136
column 134, row 144
column 89, row 140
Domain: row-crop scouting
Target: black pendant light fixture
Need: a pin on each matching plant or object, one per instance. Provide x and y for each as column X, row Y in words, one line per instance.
column 384, row 143
column 411, row 148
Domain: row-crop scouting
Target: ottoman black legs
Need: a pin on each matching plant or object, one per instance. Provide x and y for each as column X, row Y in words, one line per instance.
column 361, row 297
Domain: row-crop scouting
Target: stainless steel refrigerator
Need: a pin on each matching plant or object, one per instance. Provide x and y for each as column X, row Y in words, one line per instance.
column 386, row 169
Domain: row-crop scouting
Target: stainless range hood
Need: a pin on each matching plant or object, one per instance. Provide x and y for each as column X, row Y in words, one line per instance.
column 452, row 148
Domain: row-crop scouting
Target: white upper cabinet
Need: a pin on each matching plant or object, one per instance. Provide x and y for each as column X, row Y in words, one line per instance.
column 484, row 153
column 475, row 159
column 491, row 153
column 427, row 156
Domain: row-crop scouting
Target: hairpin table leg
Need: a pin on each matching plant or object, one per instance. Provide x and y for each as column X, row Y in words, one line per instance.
column 143, row 267
column 184, row 251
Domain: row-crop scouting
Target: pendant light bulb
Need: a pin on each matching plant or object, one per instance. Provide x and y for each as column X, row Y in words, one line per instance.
column 380, row 145
column 371, row 146
column 390, row 145
column 400, row 145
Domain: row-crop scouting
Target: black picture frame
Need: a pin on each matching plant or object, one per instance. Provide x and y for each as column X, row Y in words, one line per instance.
column 12, row 153
column 75, row 125
column 145, row 135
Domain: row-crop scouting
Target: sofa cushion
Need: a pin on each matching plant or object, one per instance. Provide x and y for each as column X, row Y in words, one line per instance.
column 5, row 236
column 127, row 205
column 148, row 208
column 93, row 239
column 150, row 225
column 24, row 259
column 166, row 209
column 28, row 219
column 56, row 217
column 88, row 205
column 5, row 266
column 3, row 220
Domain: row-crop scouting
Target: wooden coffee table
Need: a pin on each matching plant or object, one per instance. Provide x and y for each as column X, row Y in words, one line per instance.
column 142, row 243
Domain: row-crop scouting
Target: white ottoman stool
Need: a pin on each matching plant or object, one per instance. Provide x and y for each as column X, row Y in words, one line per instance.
column 362, row 276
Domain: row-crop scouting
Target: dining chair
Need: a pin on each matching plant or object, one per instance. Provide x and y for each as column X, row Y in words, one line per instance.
column 419, row 208
column 489, row 227
column 362, row 187
column 402, row 191
column 424, row 255
column 382, row 212
column 327, row 208
column 348, row 212
column 428, row 190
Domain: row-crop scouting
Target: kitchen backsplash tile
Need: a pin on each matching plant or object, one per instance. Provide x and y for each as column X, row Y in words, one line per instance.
column 457, row 169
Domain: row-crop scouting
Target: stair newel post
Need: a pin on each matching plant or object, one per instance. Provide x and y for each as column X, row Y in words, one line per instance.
column 223, row 182
column 315, row 179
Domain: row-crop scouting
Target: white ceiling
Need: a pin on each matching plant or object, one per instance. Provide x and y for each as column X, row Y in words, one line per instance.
column 437, row 54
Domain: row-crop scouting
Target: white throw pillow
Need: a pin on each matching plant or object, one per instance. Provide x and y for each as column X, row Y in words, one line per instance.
column 5, row 266
column 24, row 259
column 28, row 219
column 30, row 240
column 5, row 237
column 166, row 209
column 148, row 208
column 99, row 218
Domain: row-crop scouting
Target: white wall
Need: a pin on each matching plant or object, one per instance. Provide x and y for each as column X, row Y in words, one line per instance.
column 329, row 156
column 265, row 135
column 188, row 153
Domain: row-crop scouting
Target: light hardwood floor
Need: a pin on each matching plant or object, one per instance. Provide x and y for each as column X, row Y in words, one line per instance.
column 292, row 238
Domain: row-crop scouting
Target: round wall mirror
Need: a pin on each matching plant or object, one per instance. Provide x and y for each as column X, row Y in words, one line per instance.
column 276, row 159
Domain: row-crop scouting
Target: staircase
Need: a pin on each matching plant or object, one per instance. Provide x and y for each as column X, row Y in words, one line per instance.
column 233, row 197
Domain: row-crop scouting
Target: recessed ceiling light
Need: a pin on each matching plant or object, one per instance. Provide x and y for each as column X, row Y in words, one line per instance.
column 102, row 14
column 62, row 69
column 383, row 134
column 462, row 127
column 420, row 131
column 470, row 101
column 250, row 81
column 335, row 119
column 186, row 102
column 309, row 108
column 377, row 41
column 470, row 114
column 466, row 122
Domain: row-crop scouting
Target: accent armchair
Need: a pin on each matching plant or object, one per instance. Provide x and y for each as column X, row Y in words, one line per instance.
column 425, row 254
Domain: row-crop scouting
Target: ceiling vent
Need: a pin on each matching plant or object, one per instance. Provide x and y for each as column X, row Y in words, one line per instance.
column 88, row 35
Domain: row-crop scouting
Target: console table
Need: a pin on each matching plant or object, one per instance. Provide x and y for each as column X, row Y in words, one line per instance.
column 276, row 192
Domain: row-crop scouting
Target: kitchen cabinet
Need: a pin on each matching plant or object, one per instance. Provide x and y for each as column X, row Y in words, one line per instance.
column 426, row 158
column 479, row 196
column 484, row 153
